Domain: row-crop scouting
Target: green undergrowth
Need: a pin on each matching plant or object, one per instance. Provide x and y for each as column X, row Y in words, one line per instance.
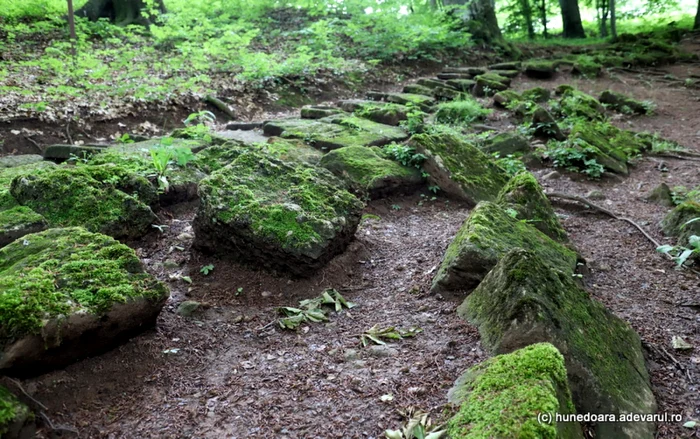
column 459, row 112
column 64, row 271
column 199, row 47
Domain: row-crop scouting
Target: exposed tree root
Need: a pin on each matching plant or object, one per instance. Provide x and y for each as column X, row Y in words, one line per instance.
column 611, row 214
column 221, row 105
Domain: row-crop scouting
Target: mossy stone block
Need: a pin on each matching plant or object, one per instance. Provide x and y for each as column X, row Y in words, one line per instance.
column 506, row 73
column 335, row 132
column 103, row 198
column 622, row 103
column 536, row 94
column 525, row 196
column 541, row 69
column 501, row 397
column 574, row 103
column 463, row 85
column 527, row 299
column 8, row 174
column 69, row 293
column 368, row 172
column 484, row 238
column 458, row 168
column 318, row 112
column 280, row 215
column 506, row 144
column 12, row 161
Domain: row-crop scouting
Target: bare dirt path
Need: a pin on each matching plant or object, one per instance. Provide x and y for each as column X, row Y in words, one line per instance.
column 235, row 378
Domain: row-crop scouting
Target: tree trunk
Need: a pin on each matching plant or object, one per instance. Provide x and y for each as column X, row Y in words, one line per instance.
column 571, row 17
column 602, row 8
column 543, row 17
column 527, row 16
column 697, row 17
column 120, row 12
column 613, row 21
column 480, row 18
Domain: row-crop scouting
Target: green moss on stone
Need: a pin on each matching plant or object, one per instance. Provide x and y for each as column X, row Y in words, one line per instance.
column 17, row 222
column 507, row 98
column 542, row 68
column 504, row 395
column 263, row 202
column 536, row 94
column 574, row 103
column 336, row 132
column 368, row 171
column 623, row 104
column 9, row 173
column 459, row 168
column 89, row 196
column 586, row 66
column 527, row 299
column 524, row 194
column 64, row 271
column 485, row 237
column 674, row 223
column 460, row 112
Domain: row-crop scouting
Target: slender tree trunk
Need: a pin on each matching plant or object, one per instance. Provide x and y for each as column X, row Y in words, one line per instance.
column 613, row 20
column 602, row 8
column 571, row 17
column 527, row 16
column 697, row 17
column 543, row 17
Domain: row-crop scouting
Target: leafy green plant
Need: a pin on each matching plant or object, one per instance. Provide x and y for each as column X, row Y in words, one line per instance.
column 404, row 154
column 206, row 269
column 375, row 334
column 464, row 111
column 681, row 254
column 415, row 120
column 163, row 155
column 124, row 139
column 574, row 155
column 510, row 163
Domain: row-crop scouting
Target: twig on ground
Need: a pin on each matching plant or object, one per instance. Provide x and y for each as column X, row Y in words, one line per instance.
column 605, row 211
column 221, row 105
column 677, row 157
column 34, row 143
column 613, row 215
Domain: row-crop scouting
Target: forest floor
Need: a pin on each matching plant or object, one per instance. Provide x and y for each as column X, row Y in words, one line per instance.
column 231, row 372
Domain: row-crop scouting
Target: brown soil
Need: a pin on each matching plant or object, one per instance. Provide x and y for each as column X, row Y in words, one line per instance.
column 238, row 375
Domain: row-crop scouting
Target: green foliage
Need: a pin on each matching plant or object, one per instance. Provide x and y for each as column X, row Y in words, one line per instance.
column 206, row 269
column 574, row 156
column 463, row 111
column 166, row 155
column 404, row 154
column 682, row 254
column 510, row 163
